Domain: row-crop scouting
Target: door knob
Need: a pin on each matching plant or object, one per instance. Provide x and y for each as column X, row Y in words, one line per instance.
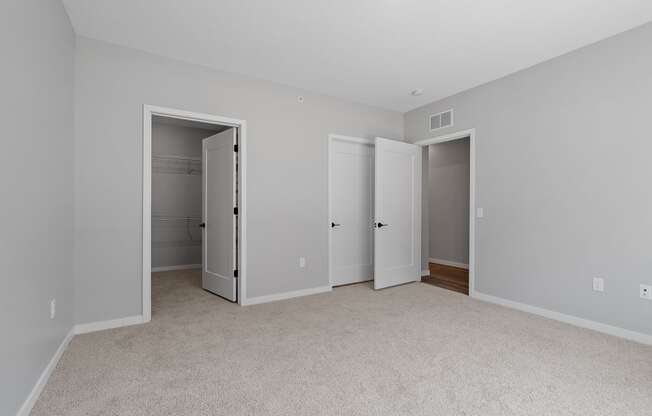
column 202, row 225
column 381, row 225
column 333, row 225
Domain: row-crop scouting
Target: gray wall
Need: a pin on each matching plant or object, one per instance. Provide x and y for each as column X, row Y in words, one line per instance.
column 36, row 183
column 448, row 208
column 563, row 172
column 287, row 175
column 176, row 194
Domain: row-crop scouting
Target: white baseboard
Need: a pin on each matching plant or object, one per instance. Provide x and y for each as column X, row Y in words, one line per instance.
column 449, row 263
column 29, row 403
column 286, row 295
column 179, row 267
column 27, row 406
column 113, row 323
column 569, row 319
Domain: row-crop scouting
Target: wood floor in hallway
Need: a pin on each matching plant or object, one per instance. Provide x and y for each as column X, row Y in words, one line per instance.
column 448, row 277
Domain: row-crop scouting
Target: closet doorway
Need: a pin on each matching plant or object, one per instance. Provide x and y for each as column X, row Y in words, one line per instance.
column 194, row 210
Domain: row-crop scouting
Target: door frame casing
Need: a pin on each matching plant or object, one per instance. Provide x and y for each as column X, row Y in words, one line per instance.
column 331, row 139
column 148, row 112
column 462, row 134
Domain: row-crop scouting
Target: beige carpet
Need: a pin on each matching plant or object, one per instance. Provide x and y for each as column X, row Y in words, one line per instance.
column 409, row 350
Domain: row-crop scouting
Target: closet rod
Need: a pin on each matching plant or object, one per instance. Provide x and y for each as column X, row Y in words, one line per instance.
column 163, row 157
column 168, row 217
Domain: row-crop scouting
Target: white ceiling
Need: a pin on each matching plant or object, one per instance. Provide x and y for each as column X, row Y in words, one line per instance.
column 369, row 51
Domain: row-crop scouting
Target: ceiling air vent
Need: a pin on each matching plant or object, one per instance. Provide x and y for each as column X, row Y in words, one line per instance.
column 441, row 120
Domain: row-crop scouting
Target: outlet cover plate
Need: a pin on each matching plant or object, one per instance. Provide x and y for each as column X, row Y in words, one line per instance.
column 598, row 284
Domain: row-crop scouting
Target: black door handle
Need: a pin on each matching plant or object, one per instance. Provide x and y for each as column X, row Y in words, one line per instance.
column 381, row 225
column 202, row 225
column 333, row 225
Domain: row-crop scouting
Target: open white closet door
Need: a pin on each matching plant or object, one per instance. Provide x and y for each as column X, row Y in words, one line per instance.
column 397, row 237
column 219, row 185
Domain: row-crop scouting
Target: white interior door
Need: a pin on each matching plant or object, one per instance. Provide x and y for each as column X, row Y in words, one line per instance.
column 397, row 233
column 219, row 178
column 351, row 222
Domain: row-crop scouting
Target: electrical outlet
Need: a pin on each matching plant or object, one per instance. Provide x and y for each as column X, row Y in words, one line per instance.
column 302, row 262
column 646, row 292
column 598, row 284
column 479, row 212
column 53, row 308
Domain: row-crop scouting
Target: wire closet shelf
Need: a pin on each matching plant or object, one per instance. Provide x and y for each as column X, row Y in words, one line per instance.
column 190, row 223
column 176, row 165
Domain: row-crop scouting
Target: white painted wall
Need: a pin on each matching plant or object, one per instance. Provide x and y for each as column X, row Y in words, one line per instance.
column 563, row 170
column 36, row 184
column 287, row 170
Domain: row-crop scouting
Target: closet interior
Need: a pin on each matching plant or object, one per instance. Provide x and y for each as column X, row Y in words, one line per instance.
column 177, row 192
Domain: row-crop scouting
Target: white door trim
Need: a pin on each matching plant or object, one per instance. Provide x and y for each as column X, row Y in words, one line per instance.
column 351, row 139
column 331, row 138
column 470, row 133
column 148, row 112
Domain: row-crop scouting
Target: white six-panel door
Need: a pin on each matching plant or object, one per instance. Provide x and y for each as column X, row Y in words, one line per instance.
column 351, row 220
column 219, row 178
column 397, row 233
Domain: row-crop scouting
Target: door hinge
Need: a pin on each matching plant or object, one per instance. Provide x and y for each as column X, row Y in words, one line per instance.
column 235, row 210
column 235, row 147
column 235, row 273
